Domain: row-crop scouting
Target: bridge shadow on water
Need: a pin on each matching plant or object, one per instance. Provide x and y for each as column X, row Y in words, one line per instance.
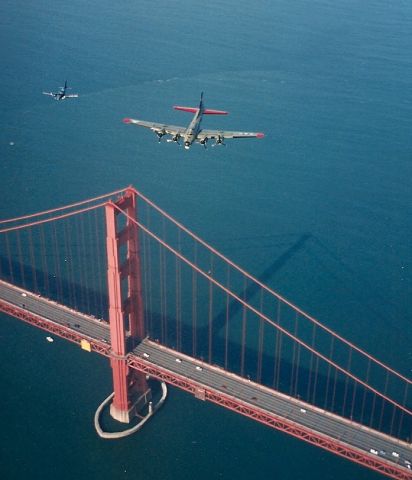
column 332, row 392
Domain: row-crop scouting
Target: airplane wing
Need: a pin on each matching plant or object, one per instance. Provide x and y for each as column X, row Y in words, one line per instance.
column 73, row 95
column 221, row 134
column 157, row 127
column 51, row 94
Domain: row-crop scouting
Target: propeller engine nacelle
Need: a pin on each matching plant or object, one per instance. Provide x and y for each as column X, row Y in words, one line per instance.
column 160, row 134
column 219, row 141
column 204, row 141
column 175, row 138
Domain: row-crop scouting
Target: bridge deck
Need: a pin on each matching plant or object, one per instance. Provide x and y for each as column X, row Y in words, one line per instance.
column 216, row 384
column 268, row 400
column 83, row 325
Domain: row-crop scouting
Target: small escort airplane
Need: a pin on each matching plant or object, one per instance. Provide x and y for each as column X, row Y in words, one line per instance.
column 61, row 94
column 193, row 133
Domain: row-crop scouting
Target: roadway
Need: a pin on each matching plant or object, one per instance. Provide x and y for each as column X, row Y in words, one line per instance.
column 55, row 312
column 313, row 418
column 388, row 449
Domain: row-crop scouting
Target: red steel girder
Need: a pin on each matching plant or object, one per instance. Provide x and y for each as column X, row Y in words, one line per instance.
column 270, row 419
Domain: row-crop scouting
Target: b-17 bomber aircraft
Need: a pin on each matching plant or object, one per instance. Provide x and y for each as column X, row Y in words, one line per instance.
column 61, row 94
column 193, row 133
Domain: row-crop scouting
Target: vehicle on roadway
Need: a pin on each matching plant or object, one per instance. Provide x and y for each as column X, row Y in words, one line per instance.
column 193, row 132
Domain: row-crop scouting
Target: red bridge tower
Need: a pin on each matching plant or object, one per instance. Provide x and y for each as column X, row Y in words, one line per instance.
column 131, row 391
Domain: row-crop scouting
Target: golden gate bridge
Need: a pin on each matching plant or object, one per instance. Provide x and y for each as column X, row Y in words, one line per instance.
column 119, row 276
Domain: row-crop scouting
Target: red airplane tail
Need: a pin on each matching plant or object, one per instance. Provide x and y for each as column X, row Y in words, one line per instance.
column 209, row 111
column 186, row 109
column 205, row 111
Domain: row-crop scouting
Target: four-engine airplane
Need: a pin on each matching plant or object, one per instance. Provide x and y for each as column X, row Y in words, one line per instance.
column 61, row 94
column 194, row 132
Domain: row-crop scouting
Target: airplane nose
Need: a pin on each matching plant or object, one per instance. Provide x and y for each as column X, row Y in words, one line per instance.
column 187, row 145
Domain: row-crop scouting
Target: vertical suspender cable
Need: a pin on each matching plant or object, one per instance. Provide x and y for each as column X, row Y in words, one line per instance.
column 243, row 341
column 32, row 260
column 372, row 410
column 278, row 350
column 161, row 285
column 69, row 266
column 227, row 317
column 405, row 396
column 44, row 257
column 57, row 274
column 260, row 341
column 210, row 315
column 92, row 242
column 85, row 257
column 163, row 259
column 315, row 383
column 334, row 390
column 20, row 257
column 353, row 400
column 308, row 391
column 383, row 402
column 365, row 391
column 293, row 366
column 79, row 270
column 346, row 382
column 150, row 276
column 100, row 273
column 194, row 304
column 9, row 257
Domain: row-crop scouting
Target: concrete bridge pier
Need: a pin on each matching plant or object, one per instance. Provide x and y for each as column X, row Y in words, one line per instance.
column 131, row 392
column 122, row 416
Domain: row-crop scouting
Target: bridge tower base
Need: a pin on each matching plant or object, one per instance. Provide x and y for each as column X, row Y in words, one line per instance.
column 129, row 431
column 131, row 391
column 135, row 406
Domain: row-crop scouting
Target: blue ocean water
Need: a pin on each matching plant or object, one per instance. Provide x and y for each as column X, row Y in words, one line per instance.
column 329, row 84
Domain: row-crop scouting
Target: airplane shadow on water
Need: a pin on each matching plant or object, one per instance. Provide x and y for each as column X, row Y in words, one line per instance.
column 292, row 379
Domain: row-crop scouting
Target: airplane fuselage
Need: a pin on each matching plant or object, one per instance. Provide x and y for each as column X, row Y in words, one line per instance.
column 193, row 129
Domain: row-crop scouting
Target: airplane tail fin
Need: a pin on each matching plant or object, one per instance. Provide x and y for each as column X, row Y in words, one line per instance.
column 210, row 111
